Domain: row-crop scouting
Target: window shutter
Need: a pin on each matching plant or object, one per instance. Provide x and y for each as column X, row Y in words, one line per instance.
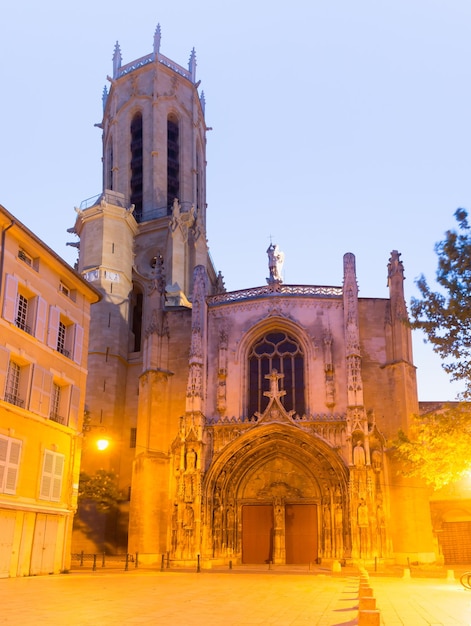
column 54, row 318
column 4, row 360
column 3, row 460
column 51, row 478
column 10, row 453
column 47, row 474
column 41, row 312
column 36, row 399
column 9, row 303
column 74, row 407
column 78, row 344
column 13, row 467
column 57, row 478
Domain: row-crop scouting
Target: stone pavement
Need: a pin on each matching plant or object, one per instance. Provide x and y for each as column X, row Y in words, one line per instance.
column 238, row 597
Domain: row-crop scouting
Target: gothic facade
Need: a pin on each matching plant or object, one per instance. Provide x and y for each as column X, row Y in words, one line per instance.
column 251, row 425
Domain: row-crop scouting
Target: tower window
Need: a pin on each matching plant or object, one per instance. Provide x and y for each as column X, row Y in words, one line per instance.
column 276, row 350
column 110, row 166
column 137, row 165
column 173, row 162
column 136, row 318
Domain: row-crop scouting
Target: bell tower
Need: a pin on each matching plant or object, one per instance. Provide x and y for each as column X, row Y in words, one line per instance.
column 154, row 156
column 140, row 240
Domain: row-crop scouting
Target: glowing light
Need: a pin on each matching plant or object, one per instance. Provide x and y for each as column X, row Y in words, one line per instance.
column 102, row 444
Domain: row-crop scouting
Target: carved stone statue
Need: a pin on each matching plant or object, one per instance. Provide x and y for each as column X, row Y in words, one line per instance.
column 275, row 263
column 358, row 455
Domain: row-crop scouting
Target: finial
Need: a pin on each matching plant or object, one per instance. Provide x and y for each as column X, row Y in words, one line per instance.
column 104, row 97
column 192, row 65
column 116, row 60
column 157, row 37
column 395, row 265
column 203, row 102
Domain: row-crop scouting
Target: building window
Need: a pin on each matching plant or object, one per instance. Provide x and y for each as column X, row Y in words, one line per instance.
column 10, row 454
column 137, row 155
column 137, row 299
column 65, row 336
column 109, row 177
column 51, row 477
column 132, row 437
column 61, row 339
column 22, row 314
column 12, row 387
column 23, row 308
column 67, row 291
column 281, row 352
column 56, row 398
column 173, row 162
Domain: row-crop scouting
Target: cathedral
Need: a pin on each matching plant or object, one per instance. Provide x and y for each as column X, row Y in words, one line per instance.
column 250, row 426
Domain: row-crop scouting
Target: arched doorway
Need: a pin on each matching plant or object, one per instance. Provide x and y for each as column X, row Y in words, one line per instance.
column 272, row 496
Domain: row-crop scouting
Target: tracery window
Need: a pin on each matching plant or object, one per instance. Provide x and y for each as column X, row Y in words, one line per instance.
column 280, row 351
column 173, row 162
column 137, row 165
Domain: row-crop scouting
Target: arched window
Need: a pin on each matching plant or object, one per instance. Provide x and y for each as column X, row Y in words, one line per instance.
column 136, row 302
column 137, row 165
column 173, row 162
column 280, row 351
column 109, row 165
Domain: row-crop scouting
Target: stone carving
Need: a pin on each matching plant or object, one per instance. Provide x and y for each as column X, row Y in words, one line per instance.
column 220, row 287
column 376, row 460
column 363, row 527
column 275, row 264
column 338, row 531
column 359, row 458
column 175, row 528
column 381, row 529
column 188, row 529
column 184, row 220
column 395, row 265
column 230, row 527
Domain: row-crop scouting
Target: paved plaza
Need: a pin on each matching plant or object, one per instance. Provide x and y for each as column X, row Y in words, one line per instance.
column 227, row 598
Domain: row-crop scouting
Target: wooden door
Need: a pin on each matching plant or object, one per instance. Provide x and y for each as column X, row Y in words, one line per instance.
column 7, row 532
column 44, row 544
column 301, row 533
column 257, row 533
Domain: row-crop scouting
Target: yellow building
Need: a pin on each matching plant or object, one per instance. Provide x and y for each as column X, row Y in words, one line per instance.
column 44, row 325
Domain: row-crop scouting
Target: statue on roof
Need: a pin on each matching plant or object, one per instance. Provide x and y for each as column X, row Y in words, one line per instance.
column 275, row 263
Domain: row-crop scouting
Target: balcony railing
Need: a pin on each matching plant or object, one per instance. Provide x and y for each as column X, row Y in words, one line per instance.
column 55, row 417
column 11, row 398
column 63, row 351
column 20, row 324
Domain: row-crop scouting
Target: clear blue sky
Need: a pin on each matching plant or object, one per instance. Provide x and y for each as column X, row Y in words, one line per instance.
column 338, row 126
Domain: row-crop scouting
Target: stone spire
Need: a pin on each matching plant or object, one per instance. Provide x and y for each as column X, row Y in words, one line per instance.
column 157, row 38
column 192, row 65
column 401, row 341
column 117, row 59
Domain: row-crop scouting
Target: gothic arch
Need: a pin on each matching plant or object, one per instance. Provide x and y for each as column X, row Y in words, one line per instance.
column 272, row 463
column 273, row 323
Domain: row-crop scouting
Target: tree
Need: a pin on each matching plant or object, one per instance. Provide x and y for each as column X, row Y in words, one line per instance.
column 445, row 318
column 437, row 446
column 100, row 488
